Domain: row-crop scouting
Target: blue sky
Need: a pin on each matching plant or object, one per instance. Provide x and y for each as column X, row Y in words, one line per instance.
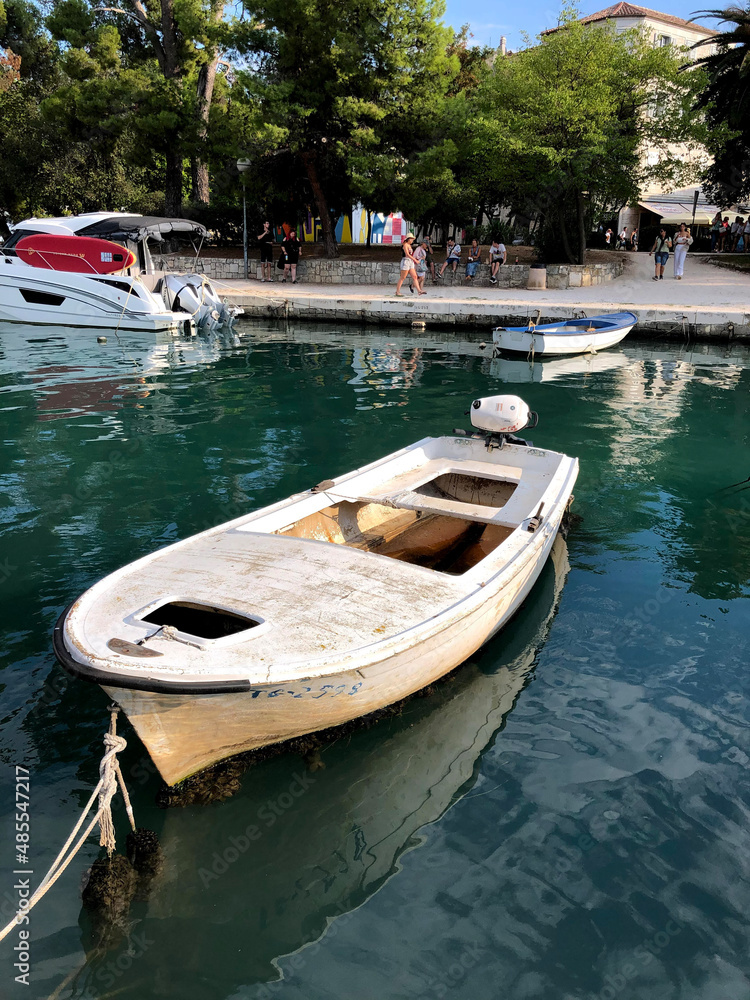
column 489, row 19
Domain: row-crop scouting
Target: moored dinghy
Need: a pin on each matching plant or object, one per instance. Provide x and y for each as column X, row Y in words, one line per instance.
column 328, row 605
column 568, row 336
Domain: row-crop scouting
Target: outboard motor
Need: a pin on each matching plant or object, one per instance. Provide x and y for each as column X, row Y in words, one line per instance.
column 501, row 414
column 498, row 417
column 195, row 294
column 221, row 313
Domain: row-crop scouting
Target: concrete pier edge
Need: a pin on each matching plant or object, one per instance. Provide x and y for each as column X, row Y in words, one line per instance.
column 666, row 322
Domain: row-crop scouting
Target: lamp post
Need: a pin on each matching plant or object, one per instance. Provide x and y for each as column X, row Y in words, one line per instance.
column 242, row 166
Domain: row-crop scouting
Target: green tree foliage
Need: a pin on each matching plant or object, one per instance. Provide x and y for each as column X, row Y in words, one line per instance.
column 339, row 97
column 561, row 129
column 148, row 69
column 52, row 162
column 726, row 103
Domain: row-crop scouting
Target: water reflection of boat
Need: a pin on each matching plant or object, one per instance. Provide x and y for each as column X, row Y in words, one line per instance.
column 274, row 866
column 511, row 370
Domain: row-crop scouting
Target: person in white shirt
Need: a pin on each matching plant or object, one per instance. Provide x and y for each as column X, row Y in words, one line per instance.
column 453, row 255
column 498, row 254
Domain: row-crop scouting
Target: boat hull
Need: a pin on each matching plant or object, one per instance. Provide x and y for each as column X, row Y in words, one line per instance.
column 571, row 337
column 187, row 733
column 38, row 297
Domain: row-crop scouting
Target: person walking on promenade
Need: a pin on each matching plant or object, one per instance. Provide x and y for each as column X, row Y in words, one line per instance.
column 408, row 266
column 715, row 231
column 608, row 237
column 266, row 252
column 634, row 241
column 420, row 258
column 293, row 251
column 746, row 235
column 739, row 234
column 472, row 264
column 682, row 241
column 660, row 250
column 452, row 256
column 724, row 234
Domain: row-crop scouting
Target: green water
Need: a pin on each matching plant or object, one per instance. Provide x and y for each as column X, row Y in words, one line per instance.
column 567, row 817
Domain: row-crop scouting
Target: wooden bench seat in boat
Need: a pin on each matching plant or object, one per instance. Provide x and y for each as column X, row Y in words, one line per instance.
column 409, row 490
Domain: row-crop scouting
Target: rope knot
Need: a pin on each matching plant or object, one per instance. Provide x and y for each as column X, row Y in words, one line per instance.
column 108, row 772
column 112, row 741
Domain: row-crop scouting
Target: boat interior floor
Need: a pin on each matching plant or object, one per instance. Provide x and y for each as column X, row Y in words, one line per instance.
column 436, row 541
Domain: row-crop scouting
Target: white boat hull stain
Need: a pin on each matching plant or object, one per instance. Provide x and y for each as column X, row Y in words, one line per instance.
column 187, row 733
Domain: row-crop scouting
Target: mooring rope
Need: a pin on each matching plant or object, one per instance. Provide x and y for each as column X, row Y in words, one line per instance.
column 110, row 776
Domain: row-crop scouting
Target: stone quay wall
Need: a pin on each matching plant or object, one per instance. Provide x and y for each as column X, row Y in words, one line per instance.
column 318, row 271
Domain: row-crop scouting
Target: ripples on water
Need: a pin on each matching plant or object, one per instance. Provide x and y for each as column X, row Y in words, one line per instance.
column 566, row 817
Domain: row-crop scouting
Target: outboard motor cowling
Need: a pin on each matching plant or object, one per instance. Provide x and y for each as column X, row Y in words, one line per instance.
column 501, row 414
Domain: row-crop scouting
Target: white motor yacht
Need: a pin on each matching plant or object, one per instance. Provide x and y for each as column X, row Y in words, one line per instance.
column 141, row 297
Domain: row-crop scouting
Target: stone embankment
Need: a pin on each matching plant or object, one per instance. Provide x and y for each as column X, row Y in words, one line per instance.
column 319, row 271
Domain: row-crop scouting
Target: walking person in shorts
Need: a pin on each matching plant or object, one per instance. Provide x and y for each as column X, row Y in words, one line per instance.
column 660, row 250
column 420, row 258
column 408, row 266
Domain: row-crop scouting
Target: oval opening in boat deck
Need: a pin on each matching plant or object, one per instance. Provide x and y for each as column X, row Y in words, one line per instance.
column 200, row 620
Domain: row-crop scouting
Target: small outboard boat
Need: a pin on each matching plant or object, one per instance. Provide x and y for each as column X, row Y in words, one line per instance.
column 328, row 605
column 568, row 336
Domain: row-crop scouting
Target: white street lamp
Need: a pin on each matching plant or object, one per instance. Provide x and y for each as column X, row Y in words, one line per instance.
column 242, row 166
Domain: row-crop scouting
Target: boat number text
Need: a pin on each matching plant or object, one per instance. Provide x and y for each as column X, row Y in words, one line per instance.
column 327, row 690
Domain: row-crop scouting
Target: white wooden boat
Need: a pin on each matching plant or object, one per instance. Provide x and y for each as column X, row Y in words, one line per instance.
column 328, row 605
column 350, row 823
column 141, row 298
column 568, row 336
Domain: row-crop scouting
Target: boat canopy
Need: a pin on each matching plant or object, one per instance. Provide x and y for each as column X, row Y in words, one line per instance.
column 141, row 227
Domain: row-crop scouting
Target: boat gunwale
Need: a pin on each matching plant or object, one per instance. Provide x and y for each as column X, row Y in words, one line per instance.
column 610, row 326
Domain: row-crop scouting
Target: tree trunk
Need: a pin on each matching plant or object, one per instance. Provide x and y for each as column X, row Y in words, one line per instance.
column 581, row 211
column 564, row 237
column 309, row 159
column 205, row 93
column 206, row 80
column 173, row 179
column 368, row 241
